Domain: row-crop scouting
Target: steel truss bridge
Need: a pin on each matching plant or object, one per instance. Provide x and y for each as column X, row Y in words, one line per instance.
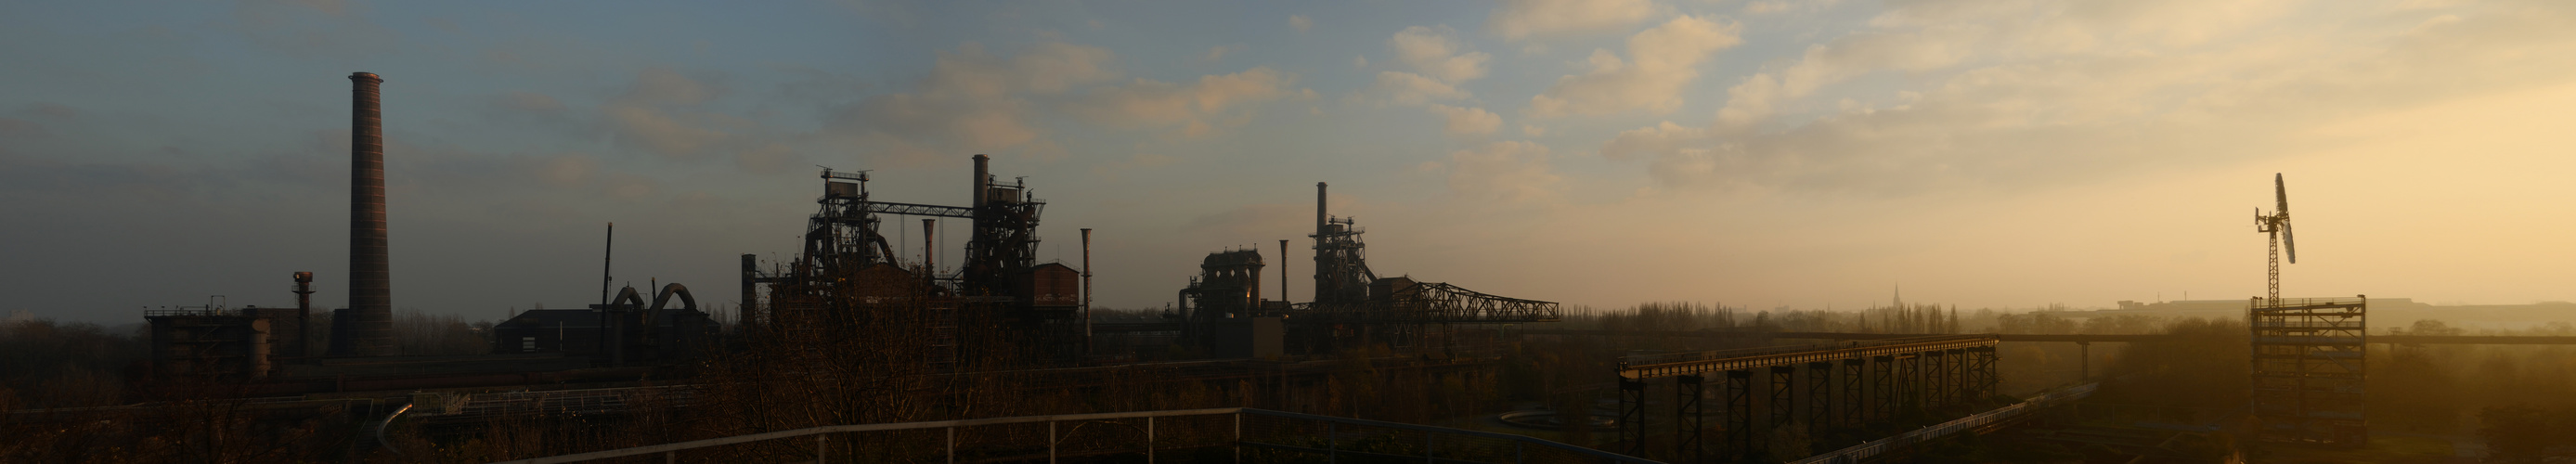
column 1433, row 303
column 1876, row 380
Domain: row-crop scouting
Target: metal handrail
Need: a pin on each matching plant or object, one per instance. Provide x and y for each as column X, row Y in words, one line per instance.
column 1733, row 359
column 813, row 431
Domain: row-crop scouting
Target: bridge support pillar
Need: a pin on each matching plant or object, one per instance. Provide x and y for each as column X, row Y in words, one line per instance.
column 1632, row 415
column 1909, row 380
column 1960, row 382
column 1983, row 369
column 1686, row 421
column 1936, row 376
column 1784, row 401
column 1820, row 400
column 1855, row 393
column 1739, row 413
column 1883, row 384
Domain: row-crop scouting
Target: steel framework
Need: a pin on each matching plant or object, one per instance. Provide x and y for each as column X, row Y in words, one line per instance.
column 2309, row 361
column 1739, row 412
column 1820, row 398
column 1855, row 392
column 1687, row 433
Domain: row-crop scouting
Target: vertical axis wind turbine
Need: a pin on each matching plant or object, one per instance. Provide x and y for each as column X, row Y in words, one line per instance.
column 2278, row 225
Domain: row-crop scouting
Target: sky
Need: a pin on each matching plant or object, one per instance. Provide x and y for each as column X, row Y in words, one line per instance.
column 1763, row 154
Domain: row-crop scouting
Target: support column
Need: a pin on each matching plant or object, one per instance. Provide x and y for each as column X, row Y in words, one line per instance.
column 1909, row 380
column 1686, row 421
column 1632, row 415
column 1784, row 402
column 1883, row 382
column 1739, row 413
column 1820, row 399
column 1988, row 380
column 1958, row 376
column 1855, row 393
column 1935, row 379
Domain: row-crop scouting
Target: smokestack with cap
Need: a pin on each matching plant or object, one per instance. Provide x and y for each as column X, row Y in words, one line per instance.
column 370, row 280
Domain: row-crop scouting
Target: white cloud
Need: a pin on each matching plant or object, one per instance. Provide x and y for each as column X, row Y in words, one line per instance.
column 1411, row 89
column 1511, row 172
column 1519, row 19
column 2011, row 95
column 1301, row 23
column 972, row 101
column 1468, row 121
column 1433, row 52
column 1661, row 62
column 1147, row 103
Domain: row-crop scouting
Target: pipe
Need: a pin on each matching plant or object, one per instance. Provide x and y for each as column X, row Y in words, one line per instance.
column 370, row 279
column 983, row 179
column 750, row 293
column 389, row 420
column 929, row 254
column 1283, row 271
column 1086, row 290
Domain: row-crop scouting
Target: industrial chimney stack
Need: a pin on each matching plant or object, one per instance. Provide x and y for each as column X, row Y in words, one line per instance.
column 368, row 323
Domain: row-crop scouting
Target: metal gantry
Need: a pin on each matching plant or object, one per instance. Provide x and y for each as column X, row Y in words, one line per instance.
column 1894, row 373
column 2309, row 361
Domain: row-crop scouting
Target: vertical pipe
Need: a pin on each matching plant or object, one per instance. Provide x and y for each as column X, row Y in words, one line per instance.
column 1283, row 271
column 983, row 179
column 929, row 255
column 750, row 293
column 1320, row 224
column 370, row 279
column 607, row 258
column 1086, row 292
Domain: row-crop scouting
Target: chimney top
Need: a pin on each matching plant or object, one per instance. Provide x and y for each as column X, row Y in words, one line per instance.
column 367, row 76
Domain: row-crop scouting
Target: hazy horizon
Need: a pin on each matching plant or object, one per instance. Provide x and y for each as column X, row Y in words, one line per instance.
column 1590, row 152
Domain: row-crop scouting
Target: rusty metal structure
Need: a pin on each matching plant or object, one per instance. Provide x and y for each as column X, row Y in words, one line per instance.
column 366, row 328
column 1351, row 305
column 848, row 273
column 1880, row 380
column 2310, row 356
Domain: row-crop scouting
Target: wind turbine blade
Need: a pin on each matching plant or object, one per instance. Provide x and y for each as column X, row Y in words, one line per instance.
column 2289, row 242
column 2281, row 194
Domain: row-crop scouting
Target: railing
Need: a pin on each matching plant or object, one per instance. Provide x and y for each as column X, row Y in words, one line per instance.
column 1865, row 451
column 1237, row 434
column 1651, row 366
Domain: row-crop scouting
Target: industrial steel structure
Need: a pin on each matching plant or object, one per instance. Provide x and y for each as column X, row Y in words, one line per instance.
column 1880, row 379
column 2309, row 363
column 849, row 273
column 2310, row 355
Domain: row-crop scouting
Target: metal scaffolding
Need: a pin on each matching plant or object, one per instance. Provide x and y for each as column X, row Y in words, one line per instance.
column 2309, row 361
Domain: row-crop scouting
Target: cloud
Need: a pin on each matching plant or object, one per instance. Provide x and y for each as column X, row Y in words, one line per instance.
column 1661, row 63
column 1468, row 121
column 971, row 102
column 662, row 112
column 1300, row 23
column 1512, row 172
column 1433, row 52
column 1147, row 103
column 2033, row 94
column 1519, row 19
column 1411, row 89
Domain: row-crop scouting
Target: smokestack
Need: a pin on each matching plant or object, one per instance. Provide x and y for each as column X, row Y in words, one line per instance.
column 1319, row 210
column 370, row 275
column 1086, row 289
column 750, row 294
column 929, row 244
column 1283, row 271
column 983, row 179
